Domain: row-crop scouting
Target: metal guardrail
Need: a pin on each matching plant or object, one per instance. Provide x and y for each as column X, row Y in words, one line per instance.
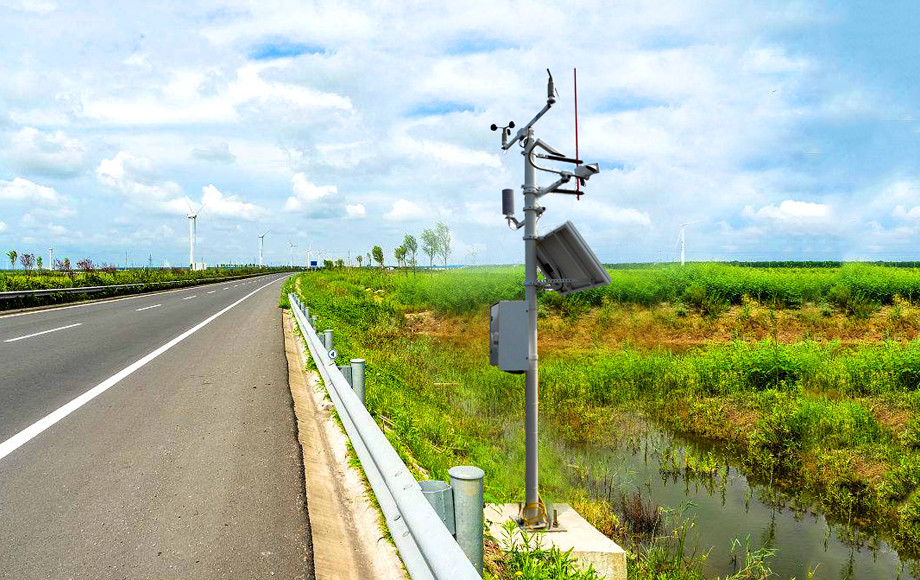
column 94, row 289
column 426, row 546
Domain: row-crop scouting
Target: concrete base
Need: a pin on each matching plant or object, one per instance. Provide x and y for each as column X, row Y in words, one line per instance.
column 589, row 546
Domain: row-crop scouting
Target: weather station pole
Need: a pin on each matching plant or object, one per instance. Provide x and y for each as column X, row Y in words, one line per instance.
column 531, row 380
column 568, row 266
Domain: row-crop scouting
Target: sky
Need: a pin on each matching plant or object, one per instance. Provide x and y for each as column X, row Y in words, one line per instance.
column 774, row 130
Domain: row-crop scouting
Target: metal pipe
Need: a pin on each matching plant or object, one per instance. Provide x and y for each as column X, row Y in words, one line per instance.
column 328, row 339
column 466, row 485
column 532, row 512
column 357, row 377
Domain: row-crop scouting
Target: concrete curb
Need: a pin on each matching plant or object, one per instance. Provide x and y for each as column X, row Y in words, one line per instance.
column 345, row 526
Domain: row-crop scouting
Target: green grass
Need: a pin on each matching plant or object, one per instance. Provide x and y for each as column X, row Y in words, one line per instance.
column 807, row 416
column 853, row 286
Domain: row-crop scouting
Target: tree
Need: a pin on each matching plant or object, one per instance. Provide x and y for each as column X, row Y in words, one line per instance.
column 340, row 263
column 378, row 255
column 368, row 258
column 86, row 265
column 12, row 255
column 400, row 254
column 40, row 262
column 430, row 245
column 27, row 261
column 443, row 233
column 327, row 264
column 360, row 260
column 411, row 246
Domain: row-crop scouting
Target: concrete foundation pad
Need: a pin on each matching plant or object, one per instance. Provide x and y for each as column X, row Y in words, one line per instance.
column 589, row 546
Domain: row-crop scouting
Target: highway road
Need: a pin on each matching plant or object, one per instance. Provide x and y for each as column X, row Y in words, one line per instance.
column 151, row 436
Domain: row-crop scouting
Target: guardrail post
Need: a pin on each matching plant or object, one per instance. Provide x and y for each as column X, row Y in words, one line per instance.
column 313, row 320
column 439, row 495
column 357, row 377
column 327, row 340
column 466, row 484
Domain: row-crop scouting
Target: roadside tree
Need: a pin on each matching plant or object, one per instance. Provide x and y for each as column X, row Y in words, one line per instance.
column 411, row 245
column 443, row 234
column 430, row 245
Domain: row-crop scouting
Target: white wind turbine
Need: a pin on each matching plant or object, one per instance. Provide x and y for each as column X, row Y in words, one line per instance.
column 681, row 240
column 192, row 232
column 261, row 241
column 292, row 245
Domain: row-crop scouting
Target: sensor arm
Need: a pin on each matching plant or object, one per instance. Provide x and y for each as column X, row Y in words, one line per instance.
column 522, row 132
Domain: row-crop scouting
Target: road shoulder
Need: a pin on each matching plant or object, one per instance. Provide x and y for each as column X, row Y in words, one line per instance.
column 348, row 541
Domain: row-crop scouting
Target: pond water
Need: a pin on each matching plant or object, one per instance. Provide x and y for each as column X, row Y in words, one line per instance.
column 726, row 506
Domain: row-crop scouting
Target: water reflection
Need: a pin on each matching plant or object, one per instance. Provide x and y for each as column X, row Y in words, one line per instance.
column 652, row 467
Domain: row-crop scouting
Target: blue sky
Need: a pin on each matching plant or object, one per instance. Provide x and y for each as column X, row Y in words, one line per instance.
column 778, row 130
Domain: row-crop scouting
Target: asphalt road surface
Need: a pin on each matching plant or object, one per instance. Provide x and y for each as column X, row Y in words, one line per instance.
column 151, row 437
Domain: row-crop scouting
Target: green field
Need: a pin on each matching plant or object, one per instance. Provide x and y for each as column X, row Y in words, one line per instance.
column 765, row 377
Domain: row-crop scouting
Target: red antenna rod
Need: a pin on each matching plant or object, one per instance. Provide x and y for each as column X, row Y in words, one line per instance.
column 575, row 80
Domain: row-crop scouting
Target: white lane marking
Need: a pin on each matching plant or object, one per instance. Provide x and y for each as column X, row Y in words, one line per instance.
column 42, row 332
column 190, row 297
column 227, row 288
column 30, row 432
column 148, row 307
column 98, row 302
column 212, row 291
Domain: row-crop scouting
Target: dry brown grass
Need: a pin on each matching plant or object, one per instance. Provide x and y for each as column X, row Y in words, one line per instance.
column 665, row 326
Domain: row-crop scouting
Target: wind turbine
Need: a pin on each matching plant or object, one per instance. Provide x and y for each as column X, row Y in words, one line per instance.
column 261, row 240
column 681, row 240
column 292, row 245
column 192, row 232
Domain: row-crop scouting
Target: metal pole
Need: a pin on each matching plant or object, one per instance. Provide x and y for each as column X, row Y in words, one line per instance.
column 532, row 511
column 357, row 377
column 466, row 485
column 191, row 243
column 682, row 227
column 261, row 239
column 328, row 339
column 313, row 320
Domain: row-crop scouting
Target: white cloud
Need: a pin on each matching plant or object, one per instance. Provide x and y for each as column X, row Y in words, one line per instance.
column 218, row 152
column 185, row 99
column 356, row 211
column 790, row 211
column 135, row 178
column 902, row 213
column 24, row 190
column 2, row 227
column 306, row 194
column 405, row 210
column 52, row 154
column 35, row 6
column 230, row 206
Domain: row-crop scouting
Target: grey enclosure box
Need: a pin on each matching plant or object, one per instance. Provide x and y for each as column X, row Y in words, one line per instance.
column 508, row 336
column 563, row 254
